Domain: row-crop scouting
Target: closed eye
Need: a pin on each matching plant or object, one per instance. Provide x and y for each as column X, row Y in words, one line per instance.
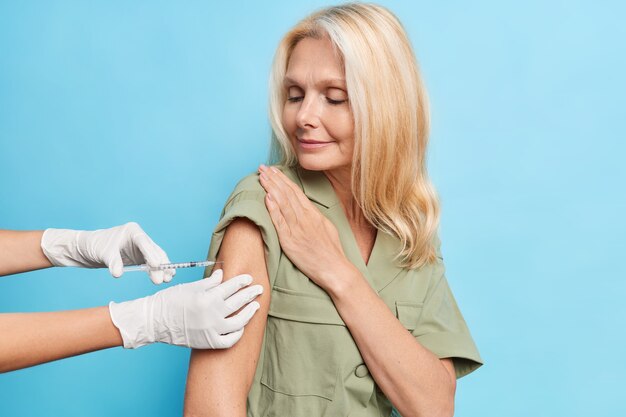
column 335, row 102
column 295, row 94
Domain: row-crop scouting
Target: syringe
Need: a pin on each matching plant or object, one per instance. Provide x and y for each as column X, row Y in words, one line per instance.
column 162, row 267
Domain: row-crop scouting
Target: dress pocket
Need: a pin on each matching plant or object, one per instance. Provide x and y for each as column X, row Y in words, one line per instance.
column 408, row 313
column 302, row 353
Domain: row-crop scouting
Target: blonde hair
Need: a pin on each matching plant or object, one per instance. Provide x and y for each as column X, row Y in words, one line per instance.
column 391, row 121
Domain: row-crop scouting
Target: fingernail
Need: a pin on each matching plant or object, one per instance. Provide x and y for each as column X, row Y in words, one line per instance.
column 262, row 167
column 274, row 170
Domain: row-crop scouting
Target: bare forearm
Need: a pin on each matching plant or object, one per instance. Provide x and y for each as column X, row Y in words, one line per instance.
column 20, row 251
column 414, row 379
column 32, row 338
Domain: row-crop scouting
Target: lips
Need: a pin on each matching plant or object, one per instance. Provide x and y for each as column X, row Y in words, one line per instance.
column 311, row 141
column 312, row 144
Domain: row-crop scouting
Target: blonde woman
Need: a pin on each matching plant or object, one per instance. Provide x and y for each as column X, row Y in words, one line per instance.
column 357, row 316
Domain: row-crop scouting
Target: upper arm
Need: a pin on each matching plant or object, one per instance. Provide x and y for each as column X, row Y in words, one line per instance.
column 448, row 364
column 219, row 380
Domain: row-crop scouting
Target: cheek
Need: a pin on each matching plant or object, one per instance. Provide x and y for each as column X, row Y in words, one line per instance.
column 289, row 120
column 340, row 125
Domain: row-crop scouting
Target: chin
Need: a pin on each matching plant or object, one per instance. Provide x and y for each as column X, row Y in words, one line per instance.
column 318, row 163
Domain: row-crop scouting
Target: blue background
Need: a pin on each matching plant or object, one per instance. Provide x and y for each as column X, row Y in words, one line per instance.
column 151, row 111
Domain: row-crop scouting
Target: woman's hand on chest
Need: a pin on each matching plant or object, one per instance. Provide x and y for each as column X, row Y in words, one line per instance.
column 308, row 238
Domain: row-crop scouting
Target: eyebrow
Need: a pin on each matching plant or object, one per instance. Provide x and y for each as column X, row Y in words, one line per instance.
column 327, row 81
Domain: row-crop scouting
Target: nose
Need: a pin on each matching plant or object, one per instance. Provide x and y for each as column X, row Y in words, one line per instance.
column 308, row 114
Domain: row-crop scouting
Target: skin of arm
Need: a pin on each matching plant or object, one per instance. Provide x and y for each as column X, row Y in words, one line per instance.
column 416, row 381
column 219, row 380
column 20, row 251
column 413, row 378
column 32, row 338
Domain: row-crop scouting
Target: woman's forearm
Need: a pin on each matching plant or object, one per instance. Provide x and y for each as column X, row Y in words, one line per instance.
column 32, row 338
column 414, row 379
column 20, row 251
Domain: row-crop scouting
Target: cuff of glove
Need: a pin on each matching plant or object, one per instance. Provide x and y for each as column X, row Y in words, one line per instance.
column 61, row 247
column 132, row 318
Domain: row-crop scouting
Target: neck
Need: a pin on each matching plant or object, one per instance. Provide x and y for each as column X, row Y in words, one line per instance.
column 341, row 181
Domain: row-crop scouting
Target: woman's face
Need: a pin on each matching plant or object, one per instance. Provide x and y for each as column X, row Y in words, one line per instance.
column 316, row 115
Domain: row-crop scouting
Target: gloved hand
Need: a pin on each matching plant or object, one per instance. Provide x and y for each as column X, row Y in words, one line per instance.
column 192, row 314
column 121, row 245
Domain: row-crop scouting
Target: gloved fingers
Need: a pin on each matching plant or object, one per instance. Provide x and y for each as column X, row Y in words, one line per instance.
column 241, row 298
column 168, row 274
column 153, row 255
column 239, row 320
column 233, row 285
column 207, row 283
column 157, row 277
column 148, row 249
column 228, row 340
column 115, row 264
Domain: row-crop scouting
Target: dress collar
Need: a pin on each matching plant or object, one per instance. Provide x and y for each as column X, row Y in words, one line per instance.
column 381, row 268
column 317, row 187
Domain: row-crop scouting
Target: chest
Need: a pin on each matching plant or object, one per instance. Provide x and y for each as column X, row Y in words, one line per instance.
column 365, row 237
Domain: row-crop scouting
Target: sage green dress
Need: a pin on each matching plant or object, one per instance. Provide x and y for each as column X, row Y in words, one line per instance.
column 309, row 365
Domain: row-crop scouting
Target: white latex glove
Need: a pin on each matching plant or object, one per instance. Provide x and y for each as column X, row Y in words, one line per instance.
column 192, row 314
column 113, row 248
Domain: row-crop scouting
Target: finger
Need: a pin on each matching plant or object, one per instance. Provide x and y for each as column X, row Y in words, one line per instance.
column 276, row 215
column 233, row 285
column 265, row 182
column 281, row 202
column 156, row 276
column 280, row 177
column 207, row 283
column 151, row 252
column 169, row 275
column 116, row 266
column 241, row 298
column 281, row 195
column 153, row 255
column 228, row 340
column 239, row 320
column 292, row 185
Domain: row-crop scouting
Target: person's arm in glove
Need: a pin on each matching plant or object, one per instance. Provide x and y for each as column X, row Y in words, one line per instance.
column 112, row 248
column 22, row 251
column 193, row 314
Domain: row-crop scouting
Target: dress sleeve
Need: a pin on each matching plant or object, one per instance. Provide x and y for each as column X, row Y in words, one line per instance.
column 248, row 201
column 442, row 329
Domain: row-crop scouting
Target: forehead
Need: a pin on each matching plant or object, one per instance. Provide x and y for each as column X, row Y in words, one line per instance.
column 316, row 58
